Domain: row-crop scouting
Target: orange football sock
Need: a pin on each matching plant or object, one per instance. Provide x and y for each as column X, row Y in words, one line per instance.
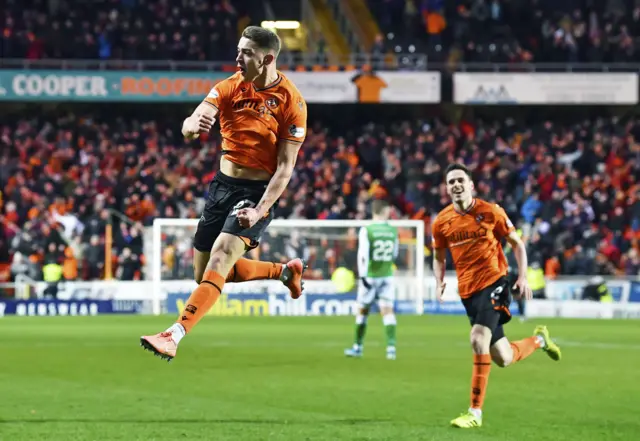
column 202, row 299
column 523, row 348
column 247, row 269
column 479, row 379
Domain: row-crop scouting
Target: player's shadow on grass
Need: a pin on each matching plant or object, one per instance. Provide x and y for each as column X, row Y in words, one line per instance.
column 346, row 421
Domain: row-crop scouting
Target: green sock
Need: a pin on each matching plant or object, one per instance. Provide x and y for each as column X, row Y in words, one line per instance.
column 390, row 332
column 389, row 322
column 361, row 329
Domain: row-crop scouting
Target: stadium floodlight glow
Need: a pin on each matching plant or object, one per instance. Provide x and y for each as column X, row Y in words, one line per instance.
column 280, row 24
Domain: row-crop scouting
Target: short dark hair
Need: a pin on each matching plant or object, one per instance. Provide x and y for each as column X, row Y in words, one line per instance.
column 457, row 166
column 378, row 205
column 264, row 38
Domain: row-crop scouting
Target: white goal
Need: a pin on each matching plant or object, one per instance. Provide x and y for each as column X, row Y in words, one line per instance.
column 330, row 248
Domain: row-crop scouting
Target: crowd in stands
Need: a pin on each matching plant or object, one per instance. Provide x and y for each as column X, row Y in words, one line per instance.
column 503, row 31
column 572, row 189
column 507, row 31
column 193, row 30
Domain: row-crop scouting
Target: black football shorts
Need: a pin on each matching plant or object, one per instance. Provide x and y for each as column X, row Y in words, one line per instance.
column 226, row 197
column 490, row 307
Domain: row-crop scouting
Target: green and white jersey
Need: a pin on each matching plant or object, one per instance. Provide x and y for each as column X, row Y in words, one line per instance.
column 377, row 250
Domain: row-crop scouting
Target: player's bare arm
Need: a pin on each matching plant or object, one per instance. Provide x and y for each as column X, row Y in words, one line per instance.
column 439, row 266
column 287, row 155
column 200, row 121
column 521, row 285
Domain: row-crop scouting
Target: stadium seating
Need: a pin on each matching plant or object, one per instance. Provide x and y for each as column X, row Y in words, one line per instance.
column 574, row 217
column 543, row 31
column 127, row 29
column 473, row 31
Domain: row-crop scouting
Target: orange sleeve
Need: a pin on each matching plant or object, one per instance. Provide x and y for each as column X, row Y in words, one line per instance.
column 294, row 125
column 439, row 241
column 220, row 95
column 503, row 226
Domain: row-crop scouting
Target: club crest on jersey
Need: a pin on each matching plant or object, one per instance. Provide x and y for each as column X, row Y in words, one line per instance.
column 272, row 102
column 295, row 131
column 480, row 218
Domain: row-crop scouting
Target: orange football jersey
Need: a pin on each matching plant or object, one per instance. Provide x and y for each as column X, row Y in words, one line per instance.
column 252, row 120
column 474, row 240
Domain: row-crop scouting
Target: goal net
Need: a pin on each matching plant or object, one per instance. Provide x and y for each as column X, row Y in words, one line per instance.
column 329, row 246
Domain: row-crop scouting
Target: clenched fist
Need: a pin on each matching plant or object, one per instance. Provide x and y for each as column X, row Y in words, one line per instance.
column 196, row 124
column 248, row 217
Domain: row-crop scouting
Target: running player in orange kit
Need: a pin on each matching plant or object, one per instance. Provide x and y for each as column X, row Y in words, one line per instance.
column 472, row 230
column 263, row 120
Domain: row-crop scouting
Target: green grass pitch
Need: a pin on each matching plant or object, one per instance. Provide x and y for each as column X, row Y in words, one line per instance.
column 285, row 378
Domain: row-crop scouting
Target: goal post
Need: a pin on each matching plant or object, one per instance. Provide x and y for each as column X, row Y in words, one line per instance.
column 328, row 244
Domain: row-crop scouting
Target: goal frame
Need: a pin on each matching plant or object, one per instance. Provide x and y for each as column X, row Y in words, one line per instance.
column 159, row 223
